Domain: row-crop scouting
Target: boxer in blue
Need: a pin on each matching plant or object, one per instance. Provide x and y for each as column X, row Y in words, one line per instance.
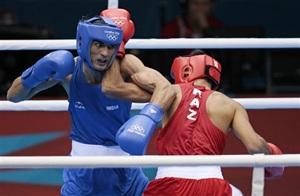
column 95, row 116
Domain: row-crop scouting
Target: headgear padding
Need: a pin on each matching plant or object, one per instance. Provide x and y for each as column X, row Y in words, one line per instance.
column 190, row 68
column 100, row 29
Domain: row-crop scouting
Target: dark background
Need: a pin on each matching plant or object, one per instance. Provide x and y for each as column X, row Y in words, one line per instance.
column 248, row 72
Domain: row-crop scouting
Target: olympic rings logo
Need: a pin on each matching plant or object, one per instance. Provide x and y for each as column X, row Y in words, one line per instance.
column 111, row 35
column 119, row 22
column 137, row 129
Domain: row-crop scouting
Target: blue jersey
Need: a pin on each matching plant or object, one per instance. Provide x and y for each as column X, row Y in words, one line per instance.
column 95, row 117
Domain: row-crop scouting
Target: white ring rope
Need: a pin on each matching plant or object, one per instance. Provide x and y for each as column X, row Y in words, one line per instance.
column 287, row 160
column 112, row 4
column 62, row 105
column 204, row 43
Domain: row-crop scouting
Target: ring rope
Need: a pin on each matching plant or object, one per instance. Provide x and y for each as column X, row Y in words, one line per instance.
column 112, row 4
column 62, row 105
column 174, row 43
column 258, row 160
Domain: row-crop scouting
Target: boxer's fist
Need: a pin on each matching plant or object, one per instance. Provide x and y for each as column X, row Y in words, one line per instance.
column 56, row 65
column 121, row 18
column 272, row 172
column 134, row 136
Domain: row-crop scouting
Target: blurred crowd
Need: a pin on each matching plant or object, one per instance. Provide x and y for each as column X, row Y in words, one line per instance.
column 245, row 71
column 13, row 62
column 196, row 20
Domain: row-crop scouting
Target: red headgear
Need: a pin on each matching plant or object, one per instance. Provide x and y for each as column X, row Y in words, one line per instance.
column 190, row 68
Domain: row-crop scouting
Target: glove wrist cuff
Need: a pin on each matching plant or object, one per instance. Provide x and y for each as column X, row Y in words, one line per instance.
column 153, row 111
column 28, row 80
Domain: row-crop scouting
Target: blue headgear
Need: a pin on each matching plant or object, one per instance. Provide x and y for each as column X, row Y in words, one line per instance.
column 91, row 30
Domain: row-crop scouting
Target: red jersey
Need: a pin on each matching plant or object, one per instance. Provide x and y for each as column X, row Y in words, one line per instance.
column 189, row 130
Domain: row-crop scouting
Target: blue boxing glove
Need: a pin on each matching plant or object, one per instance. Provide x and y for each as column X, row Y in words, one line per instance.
column 134, row 136
column 56, row 65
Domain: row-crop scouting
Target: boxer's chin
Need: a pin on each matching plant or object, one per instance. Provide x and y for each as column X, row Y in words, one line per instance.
column 101, row 65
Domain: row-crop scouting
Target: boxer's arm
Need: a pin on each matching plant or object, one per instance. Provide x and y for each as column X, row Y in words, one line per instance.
column 147, row 79
column 48, row 71
column 17, row 92
column 114, row 85
column 163, row 93
column 245, row 132
column 134, row 136
column 130, row 65
column 254, row 142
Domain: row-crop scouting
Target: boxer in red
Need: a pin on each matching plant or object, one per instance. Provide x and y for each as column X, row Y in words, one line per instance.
column 197, row 124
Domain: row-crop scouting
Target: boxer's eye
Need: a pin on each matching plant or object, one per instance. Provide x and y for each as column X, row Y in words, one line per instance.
column 111, row 47
column 99, row 44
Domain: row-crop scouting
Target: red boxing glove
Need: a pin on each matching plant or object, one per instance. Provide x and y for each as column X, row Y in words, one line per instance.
column 272, row 172
column 121, row 18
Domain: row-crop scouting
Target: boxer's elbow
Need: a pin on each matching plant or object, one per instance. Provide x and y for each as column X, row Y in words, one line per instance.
column 16, row 96
column 17, row 92
column 13, row 97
